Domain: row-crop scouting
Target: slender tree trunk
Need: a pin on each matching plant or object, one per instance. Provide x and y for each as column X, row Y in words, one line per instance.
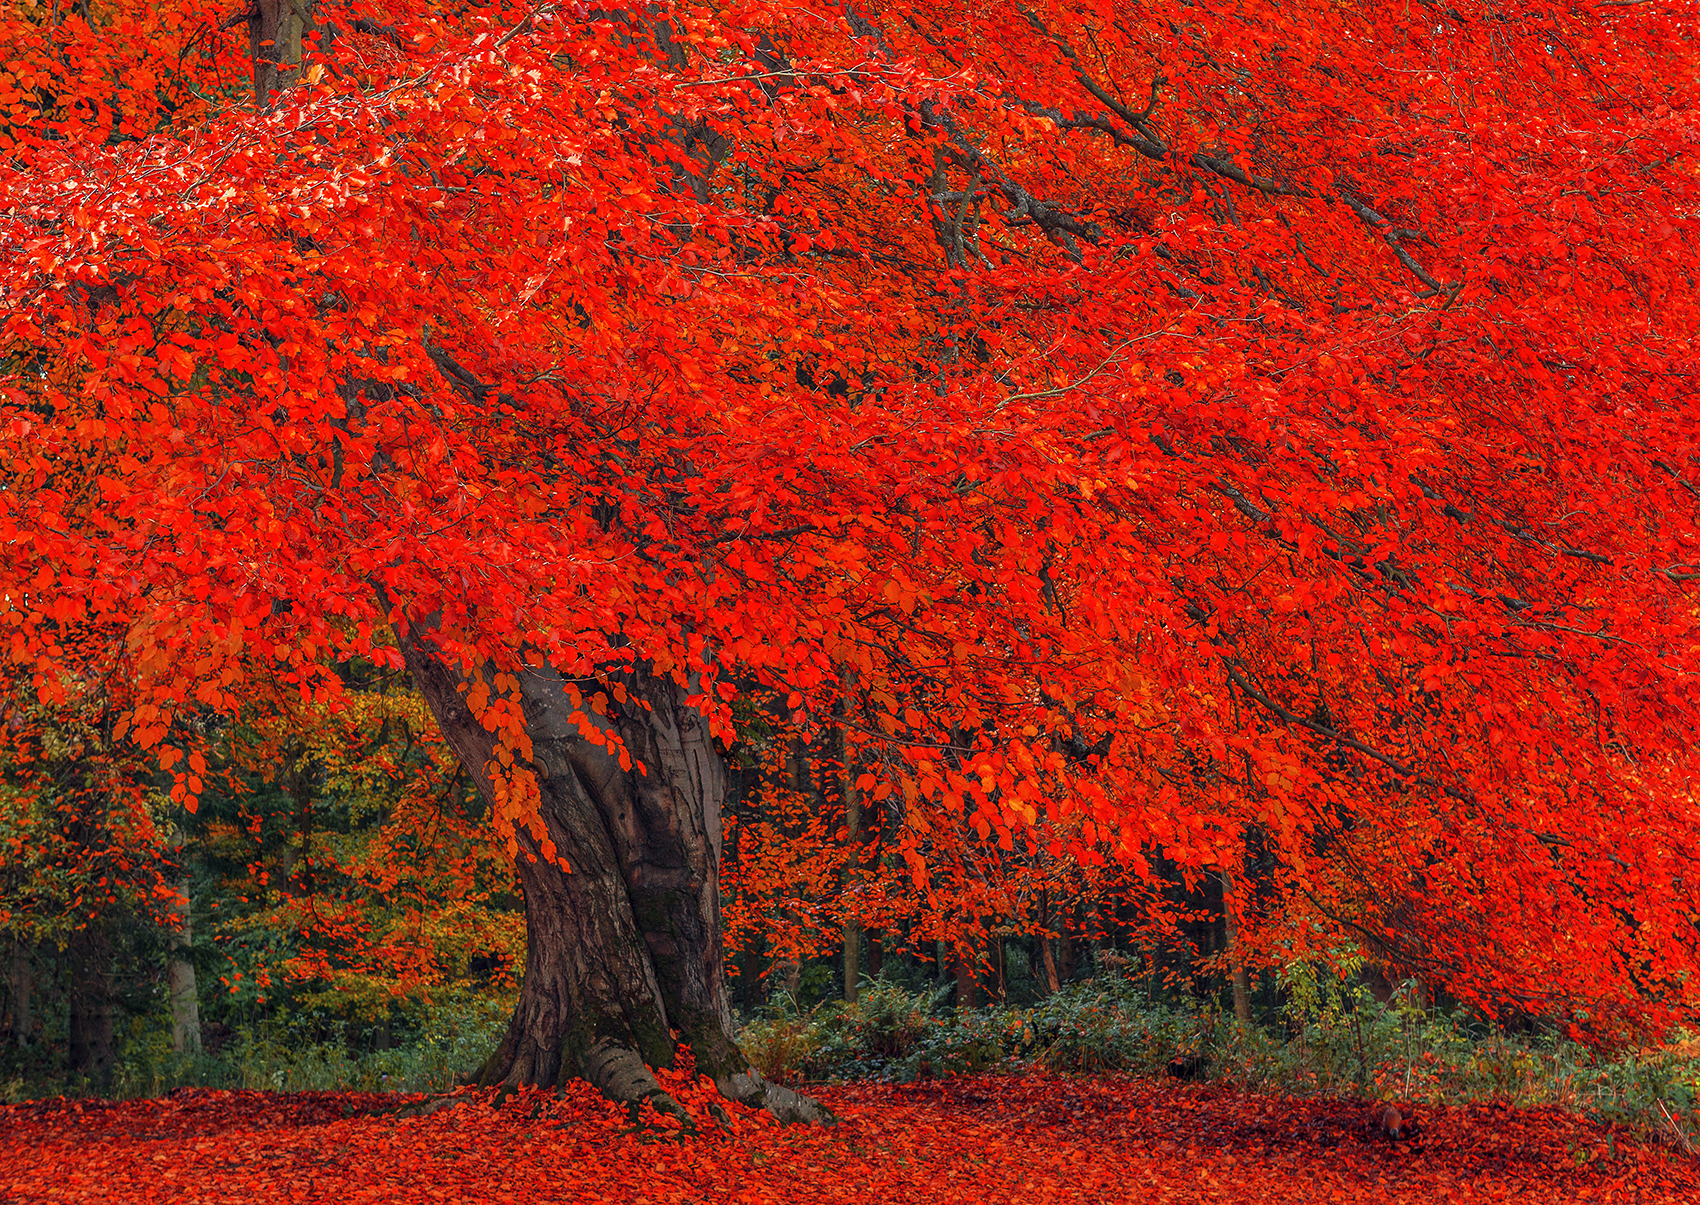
column 624, row 947
column 1048, row 967
column 1066, row 956
column 967, row 981
column 21, row 986
column 89, row 1025
column 1047, row 964
column 852, row 960
column 789, row 978
column 852, row 798
column 180, row 980
column 179, row 967
column 1237, row 972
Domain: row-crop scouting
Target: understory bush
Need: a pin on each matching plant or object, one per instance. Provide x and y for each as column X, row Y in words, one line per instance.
column 887, row 1034
column 1332, row 1038
column 285, row 1054
column 895, row 1035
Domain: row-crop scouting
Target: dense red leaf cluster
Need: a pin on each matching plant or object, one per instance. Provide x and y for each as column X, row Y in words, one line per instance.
column 1255, row 437
column 1026, row 1138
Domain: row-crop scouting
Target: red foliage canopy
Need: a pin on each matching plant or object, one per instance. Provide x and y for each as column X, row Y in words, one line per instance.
column 1141, row 426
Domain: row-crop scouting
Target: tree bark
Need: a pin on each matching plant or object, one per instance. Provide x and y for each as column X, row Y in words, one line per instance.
column 180, row 969
column 852, row 798
column 21, row 982
column 967, row 981
column 1048, row 964
column 1066, row 957
column 852, row 961
column 1237, row 972
column 180, row 981
column 277, row 32
column 89, row 1024
column 624, row 947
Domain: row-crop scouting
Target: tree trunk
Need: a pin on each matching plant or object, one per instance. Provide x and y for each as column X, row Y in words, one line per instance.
column 277, row 32
column 179, row 969
column 967, row 982
column 89, row 1027
column 1046, row 962
column 180, row 981
column 1237, row 973
column 852, row 961
column 21, row 984
column 852, row 798
column 1066, row 958
column 624, row 948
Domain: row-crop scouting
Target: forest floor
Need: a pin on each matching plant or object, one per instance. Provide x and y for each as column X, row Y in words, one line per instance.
column 1004, row 1138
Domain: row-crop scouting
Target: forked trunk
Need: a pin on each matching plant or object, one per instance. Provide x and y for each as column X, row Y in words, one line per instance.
column 624, row 948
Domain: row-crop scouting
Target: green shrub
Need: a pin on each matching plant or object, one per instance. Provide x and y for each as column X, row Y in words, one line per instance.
column 289, row 1054
column 783, row 1045
column 891, row 1034
column 1107, row 1025
column 1336, row 1039
column 887, row 1033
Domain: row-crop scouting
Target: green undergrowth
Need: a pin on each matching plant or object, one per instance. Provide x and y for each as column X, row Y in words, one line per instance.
column 280, row 1056
column 1339, row 1042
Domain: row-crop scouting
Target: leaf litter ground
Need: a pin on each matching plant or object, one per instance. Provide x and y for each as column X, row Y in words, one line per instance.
column 995, row 1138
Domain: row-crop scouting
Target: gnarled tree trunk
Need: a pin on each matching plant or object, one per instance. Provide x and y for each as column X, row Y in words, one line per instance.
column 624, row 948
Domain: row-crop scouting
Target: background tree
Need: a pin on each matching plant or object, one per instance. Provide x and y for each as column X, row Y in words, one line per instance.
column 88, row 880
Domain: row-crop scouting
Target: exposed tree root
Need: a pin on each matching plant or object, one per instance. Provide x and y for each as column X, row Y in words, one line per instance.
column 791, row 1108
column 620, row 1074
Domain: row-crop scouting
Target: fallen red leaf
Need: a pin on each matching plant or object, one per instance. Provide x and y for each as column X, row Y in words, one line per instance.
column 1031, row 1138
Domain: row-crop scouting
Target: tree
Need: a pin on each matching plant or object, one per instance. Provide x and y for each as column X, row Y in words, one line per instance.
column 81, row 826
column 1140, row 429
